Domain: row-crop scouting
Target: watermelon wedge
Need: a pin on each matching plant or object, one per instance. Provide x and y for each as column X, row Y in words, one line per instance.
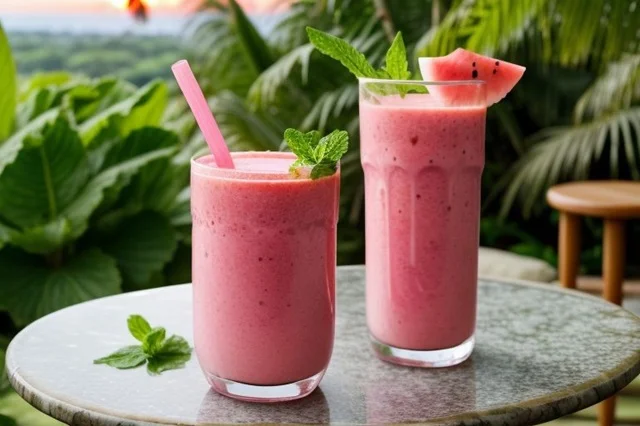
column 461, row 64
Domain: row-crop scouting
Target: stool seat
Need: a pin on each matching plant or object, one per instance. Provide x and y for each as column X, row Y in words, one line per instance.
column 608, row 199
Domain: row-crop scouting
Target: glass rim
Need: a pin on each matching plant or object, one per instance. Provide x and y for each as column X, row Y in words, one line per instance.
column 257, row 176
column 366, row 80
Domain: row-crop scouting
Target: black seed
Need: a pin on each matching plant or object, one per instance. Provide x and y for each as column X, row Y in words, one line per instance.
column 414, row 140
column 474, row 74
column 418, row 196
column 497, row 63
column 495, row 71
column 473, row 64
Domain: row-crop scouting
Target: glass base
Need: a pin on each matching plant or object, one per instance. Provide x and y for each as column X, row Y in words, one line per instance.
column 258, row 393
column 426, row 359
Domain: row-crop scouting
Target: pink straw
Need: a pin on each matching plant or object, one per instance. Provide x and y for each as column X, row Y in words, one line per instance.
column 200, row 109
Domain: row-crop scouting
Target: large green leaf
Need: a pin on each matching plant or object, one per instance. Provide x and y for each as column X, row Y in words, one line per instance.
column 142, row 109
column 11, row 147
column 142, row 245
column 42, row 239
column 90, row 197
column 40, row 81
column 45, row 177
column 31, row 289
column 8, row 89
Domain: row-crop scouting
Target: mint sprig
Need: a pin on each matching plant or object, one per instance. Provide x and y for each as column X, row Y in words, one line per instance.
column 158, row 353
column 396, row 63
column 321, row 154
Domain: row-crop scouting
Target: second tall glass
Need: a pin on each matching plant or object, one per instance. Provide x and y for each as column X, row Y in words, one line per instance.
column 423, row 156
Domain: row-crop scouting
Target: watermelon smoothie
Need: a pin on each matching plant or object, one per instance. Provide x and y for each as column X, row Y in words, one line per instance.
column 264, row 256
column 423, row 162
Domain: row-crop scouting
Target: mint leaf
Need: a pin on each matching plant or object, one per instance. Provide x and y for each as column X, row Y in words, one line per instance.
column 174, row 353
column 138, row 327
column 298, row 143
column 152, row 342
column 337, row 145
column 396, row 61
column 322, row 170
column 127, row 357
column 321, row 154
column 342, row 51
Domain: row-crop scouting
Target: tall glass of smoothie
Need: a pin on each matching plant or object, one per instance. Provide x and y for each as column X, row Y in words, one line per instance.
column 423, row 161
column 264, row 256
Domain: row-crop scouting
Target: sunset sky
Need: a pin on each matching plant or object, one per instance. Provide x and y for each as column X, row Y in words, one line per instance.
column 66, row 6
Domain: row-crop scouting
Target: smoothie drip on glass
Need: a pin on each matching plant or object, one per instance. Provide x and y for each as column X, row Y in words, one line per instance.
column 263, row 270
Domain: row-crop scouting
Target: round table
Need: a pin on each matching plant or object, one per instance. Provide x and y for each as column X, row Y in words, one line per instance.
column 541, row 353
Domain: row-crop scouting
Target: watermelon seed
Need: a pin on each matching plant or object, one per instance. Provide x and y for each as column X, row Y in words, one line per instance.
column 473, row 64
column 497, row 63
column 474, row 74
column 495, row 71
column 414, row 140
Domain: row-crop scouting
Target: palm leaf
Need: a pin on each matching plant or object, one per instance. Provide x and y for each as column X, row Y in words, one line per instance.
column 254, row 46
column 331, row 105
column 569, row 153
column 243, row 129
column 615, row 89
column 566, row 32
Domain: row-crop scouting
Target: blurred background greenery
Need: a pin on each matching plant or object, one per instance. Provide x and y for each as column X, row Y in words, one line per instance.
column 95, row 138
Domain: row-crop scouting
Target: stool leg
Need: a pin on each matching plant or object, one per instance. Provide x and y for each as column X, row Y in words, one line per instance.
column 613, row 275
column 569, row 249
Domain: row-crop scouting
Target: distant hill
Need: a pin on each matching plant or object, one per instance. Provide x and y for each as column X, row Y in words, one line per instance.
column 108, row 24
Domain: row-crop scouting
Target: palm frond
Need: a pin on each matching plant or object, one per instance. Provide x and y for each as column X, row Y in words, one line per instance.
column 569, row 153
column 243, row 129
column 215, row 42
column 617, row 88
column 263, row 91
column 565, row 32
column 411, row 17
column 331, row 105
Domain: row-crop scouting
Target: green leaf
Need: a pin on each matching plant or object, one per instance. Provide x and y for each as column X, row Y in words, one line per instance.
column 256, row 48
column 39, row 81
column 30, row 289
column 8, row 89
column 396, row 62
column 342, row 51
column 79, row 211
column 142, row 245
column 174, row 353
column 138, row 327
column 300, row 143
column 7, row 421
column 42, row 239
column 45, row 177
column 322, row 170
column 9, row 149
column 38, row 103
column 152, row 342
column 4, row 381
column 142, row 109
column 337, row 144
column 125, row 358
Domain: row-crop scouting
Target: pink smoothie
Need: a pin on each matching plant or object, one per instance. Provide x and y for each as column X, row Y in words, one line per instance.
column 264, row 256
column 423, row 163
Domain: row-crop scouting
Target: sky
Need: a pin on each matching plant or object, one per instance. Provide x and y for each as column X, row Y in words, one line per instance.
column 66, row 6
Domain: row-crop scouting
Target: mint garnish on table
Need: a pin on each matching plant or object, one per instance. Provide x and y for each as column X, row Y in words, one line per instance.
column 321, row 154
column 396, row 63
column 158, row 352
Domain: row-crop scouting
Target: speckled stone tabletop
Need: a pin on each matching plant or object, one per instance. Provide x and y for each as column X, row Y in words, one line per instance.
column 541, row 353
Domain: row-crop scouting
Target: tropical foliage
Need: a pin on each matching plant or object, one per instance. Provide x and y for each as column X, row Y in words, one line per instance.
column 93, row 192
column 575, row 115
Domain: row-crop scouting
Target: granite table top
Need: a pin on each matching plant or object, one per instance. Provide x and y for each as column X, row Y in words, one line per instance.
column 541, row 353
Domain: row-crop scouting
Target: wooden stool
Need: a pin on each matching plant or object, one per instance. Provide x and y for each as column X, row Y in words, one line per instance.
column 615, row 202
